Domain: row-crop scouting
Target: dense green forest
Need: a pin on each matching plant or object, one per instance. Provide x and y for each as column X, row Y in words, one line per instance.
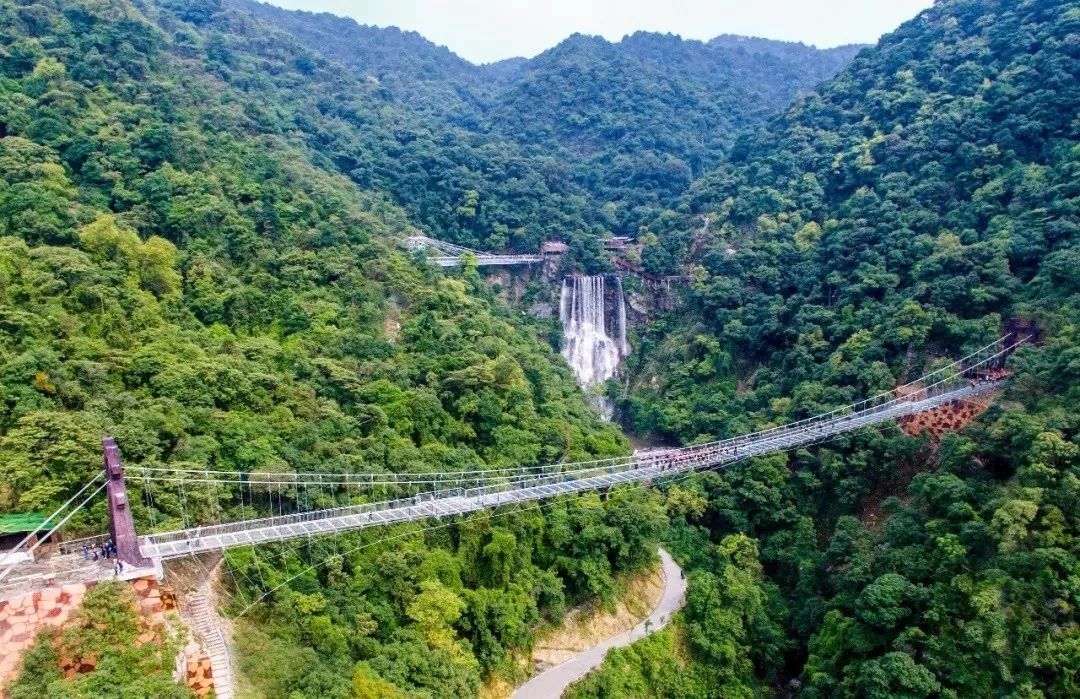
column 621, row 128
column 200, row 218
column 175, row 275
column 920, row 204
column 181, row 273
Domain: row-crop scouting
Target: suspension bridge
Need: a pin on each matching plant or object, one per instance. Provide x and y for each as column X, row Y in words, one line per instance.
column 279, row 506
column 450, row 255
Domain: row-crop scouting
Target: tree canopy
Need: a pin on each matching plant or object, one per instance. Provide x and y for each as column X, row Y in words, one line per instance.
column 201, row 206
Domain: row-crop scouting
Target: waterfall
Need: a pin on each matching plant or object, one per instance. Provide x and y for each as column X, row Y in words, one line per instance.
column 591, row 352
column 624, row 348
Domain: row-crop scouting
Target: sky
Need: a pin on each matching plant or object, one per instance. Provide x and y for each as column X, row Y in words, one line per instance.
column 483, row 31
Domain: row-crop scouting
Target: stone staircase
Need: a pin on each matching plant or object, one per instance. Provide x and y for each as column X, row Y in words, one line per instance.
column 205, row 622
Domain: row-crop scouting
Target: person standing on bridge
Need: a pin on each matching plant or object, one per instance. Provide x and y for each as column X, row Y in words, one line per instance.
column 85, row 552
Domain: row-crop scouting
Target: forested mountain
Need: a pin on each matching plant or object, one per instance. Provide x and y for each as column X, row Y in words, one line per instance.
column 639, row 119
column 456, row 184
column 416, row 72
column 918, row 205
column 182, row 267
column 627, row 124
column 595, row 95
column 921, row 197
column 200, row 217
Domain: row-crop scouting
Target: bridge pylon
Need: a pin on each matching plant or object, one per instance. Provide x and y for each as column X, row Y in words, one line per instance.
column 121, row 523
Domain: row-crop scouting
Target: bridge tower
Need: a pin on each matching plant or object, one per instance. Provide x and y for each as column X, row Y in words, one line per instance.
column 121, row 523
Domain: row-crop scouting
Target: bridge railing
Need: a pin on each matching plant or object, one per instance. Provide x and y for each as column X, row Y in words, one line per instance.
column 449, row 254
column 951, row 381
column 677, row 460
column 941, row 380
column 481, row 261
column 270, row 479
column 967, row 377
column 495, row 483
column 75, row 545
column 461, row 500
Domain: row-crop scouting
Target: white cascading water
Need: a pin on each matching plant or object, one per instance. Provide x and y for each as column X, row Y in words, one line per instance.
column 591, row 352
column 624, row 348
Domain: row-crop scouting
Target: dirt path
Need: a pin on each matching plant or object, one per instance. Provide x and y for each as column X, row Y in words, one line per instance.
column 552, row 682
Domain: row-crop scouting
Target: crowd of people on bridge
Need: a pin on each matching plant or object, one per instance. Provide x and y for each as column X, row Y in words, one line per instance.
column 991, row 375
column 675, row 459
column 100, row 551
column 105, row 552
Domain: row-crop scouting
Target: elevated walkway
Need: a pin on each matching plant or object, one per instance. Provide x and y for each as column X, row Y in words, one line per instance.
column 461, row 492
column 571, row 478
column 452, row 255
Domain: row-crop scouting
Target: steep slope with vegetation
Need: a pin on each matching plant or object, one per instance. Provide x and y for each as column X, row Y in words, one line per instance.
column 628, row 124
column 212, row 296
column 417, row 73
column 181, row 269
column 924, row 196
column 919, row 204
column 654, row 94
column 199, row 221
column 641, row 118
column 456, row 184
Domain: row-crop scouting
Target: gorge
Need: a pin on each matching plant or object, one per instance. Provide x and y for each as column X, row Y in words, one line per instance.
column 205, row 216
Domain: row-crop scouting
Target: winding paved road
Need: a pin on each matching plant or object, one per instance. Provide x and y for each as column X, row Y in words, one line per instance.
column 553, row 681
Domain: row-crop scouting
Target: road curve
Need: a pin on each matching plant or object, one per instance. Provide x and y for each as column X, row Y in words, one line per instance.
column 553, row 681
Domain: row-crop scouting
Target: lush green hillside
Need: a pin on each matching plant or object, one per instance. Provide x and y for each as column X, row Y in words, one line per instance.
column 456, row 184
column 414, row 71
column 641, row 118
column 199, row 227
column 627, row 125
column 918, row 205
column 656, row 92
column 922, row 198
column 182, row 267
column 165, row 257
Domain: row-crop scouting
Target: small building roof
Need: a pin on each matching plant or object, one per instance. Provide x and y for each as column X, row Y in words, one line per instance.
column 19, row 522
column 554, row 247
